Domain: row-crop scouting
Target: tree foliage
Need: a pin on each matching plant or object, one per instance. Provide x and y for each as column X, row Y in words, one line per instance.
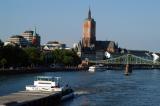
column 33, row 55
column 66, row 57
column 3, row 61
column 18, row 57
column 14, row 55
column 1, row 43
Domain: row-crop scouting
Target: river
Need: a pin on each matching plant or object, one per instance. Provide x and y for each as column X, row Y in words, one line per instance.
column 107, row 88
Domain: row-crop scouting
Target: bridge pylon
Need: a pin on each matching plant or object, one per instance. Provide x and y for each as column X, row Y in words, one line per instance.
column 128, row 69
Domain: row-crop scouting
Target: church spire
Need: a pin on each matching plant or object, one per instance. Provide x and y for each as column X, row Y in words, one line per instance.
column 35, row 31
column 89, row 14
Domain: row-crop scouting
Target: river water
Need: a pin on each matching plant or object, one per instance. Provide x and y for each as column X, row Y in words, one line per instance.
column 107, row 88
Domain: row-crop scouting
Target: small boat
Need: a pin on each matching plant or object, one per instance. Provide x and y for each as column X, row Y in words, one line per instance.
column 45, row 83
column 96, row 68
column 92, row 69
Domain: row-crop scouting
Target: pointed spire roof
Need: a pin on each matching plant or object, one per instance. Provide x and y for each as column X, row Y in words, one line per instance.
column 35, row 31
column 89, row 14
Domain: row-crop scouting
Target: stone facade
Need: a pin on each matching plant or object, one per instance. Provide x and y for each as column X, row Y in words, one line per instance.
column 89, row 31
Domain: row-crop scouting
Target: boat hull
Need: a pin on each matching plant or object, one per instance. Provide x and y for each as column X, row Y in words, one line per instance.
column 35, row 88
column 67, row 94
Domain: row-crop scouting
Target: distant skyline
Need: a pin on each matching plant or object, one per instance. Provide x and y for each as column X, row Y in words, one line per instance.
column 134, row 24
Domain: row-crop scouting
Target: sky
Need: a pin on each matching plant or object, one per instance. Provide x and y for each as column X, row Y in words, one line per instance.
column 133, row 24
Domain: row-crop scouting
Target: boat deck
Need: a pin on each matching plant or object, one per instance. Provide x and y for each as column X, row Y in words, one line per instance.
column 23, row 97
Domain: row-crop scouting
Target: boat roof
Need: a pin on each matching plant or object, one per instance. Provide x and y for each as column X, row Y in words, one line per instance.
column 44, row 78
column 49, row 78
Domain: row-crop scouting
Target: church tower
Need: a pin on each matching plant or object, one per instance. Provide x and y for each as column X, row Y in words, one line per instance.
column 89, row 32
column 36, row 39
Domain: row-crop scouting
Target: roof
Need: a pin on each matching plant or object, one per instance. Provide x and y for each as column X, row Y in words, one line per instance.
column 44, row 78
column 141, row 53
column 102, row 45
column 157, row 54
column 138, row 51
column 53, row 42
column 28, row 31
column 17, row 36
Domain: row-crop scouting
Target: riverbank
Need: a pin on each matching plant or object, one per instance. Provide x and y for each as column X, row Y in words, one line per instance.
column 41, row 69
column 65, row 69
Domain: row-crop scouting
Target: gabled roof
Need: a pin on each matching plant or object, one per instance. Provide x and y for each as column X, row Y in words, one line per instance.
column 140, row 53
column 102, row 45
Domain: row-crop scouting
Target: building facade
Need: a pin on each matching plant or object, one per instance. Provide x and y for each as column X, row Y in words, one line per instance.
column 52, row 45
column 17, row 40
column 27, row 39
column 89, row 31
column 32, row 37
column 28, row 35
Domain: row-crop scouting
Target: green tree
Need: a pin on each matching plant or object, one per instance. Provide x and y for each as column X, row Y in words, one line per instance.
column 3, row 62
column 57, row 56
column 1, row 43
column 68, row 60
column 34, row 55
column 77, row 59
column 42, row 58
column 66, row 57
column 15, row 56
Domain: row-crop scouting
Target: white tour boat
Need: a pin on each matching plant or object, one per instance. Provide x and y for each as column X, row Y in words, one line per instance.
column 94, row 68
column 45, row 83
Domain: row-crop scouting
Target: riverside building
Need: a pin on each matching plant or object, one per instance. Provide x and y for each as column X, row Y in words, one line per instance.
column 52, row 45
column 89, row 47
column 27, row 39
column 17, row 40
column 32, row 37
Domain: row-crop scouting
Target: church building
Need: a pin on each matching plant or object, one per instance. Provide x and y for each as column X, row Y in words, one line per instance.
column 89, row 47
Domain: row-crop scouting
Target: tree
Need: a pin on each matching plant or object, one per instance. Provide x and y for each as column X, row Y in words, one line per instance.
column 34, row 55
column 68, row 60
column 42, row 58
column 3, row 62
column 66, row 57
column 57, row 56
column 1, row 43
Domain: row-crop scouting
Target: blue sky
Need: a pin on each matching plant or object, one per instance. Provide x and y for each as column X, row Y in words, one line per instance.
column 134, row 24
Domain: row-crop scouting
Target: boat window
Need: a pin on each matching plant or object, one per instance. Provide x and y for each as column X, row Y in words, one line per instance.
column 43, row 83
column 41, row 78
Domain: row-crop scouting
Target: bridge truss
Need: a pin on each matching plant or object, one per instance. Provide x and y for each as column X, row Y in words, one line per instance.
column 129, row 59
